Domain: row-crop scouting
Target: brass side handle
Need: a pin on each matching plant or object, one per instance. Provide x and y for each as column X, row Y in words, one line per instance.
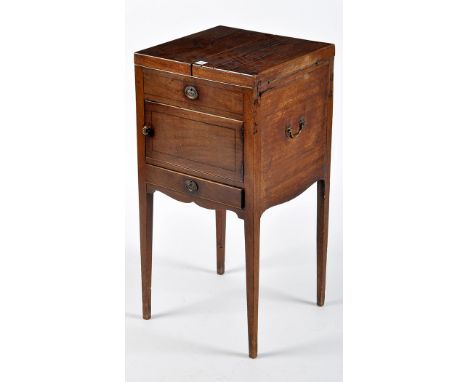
column 191, row 92
column 147, row 131
column 289, row 131
column 191, row 186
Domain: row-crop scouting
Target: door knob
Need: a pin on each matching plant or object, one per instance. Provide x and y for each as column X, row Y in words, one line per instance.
column 147, row 131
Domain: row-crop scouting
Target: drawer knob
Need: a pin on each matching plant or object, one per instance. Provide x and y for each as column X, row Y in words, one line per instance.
column 191, row 92
column 191, row 186
column 147, row 131
column 289, row 131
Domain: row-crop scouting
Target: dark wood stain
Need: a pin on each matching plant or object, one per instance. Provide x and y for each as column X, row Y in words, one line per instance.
column 237, row 51
column 228, row 149
column 197, row 143
column 220, row 240
column 213, row 97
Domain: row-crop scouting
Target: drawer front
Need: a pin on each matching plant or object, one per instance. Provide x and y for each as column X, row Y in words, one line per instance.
column 194, row 187
column 193, row 93
column 194, row 143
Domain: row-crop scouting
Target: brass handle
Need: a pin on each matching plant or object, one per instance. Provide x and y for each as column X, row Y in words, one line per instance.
column 191, row 186
column 191, row 92
column 147, row 131
column 289, row 132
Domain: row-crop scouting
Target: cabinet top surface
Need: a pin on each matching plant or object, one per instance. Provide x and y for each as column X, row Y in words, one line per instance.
column 233, row 50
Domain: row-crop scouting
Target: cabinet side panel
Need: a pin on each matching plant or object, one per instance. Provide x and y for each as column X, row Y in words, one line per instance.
column 292, row 120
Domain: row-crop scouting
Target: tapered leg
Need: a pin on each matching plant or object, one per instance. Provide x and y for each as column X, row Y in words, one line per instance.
column 220, row 240
column 323, row 189
column 146, row 246
column 252, row 247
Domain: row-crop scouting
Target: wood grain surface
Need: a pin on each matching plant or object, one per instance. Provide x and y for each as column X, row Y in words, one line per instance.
column 258, row 134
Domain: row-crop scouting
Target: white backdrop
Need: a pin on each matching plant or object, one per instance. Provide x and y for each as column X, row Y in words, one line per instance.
column 62, row 206
column 199, row 325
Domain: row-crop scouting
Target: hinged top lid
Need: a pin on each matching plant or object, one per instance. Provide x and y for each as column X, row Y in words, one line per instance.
column 233, row 55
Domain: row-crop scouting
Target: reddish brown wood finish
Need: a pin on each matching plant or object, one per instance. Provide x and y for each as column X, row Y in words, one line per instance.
column 232, row 140
column 207, row 190
column 283, row 104
column 213, row 97
column 195, row 143
column 323, row 191
column 233, row 55
column 323, row 197
column 146, row 248
column 220, row 240
column 146, row 204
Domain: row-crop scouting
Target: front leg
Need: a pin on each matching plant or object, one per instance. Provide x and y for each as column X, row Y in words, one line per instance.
column 146, row 247
column 252, row 249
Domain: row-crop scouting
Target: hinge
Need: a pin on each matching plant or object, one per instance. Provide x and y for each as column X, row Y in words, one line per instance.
column 242, row 133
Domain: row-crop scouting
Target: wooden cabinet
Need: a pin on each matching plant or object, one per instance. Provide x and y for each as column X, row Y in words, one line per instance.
column 234, row 120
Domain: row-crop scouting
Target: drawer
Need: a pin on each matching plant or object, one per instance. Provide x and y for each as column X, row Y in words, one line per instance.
column 194, row 187
column 193, row 93
column 195, row 143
